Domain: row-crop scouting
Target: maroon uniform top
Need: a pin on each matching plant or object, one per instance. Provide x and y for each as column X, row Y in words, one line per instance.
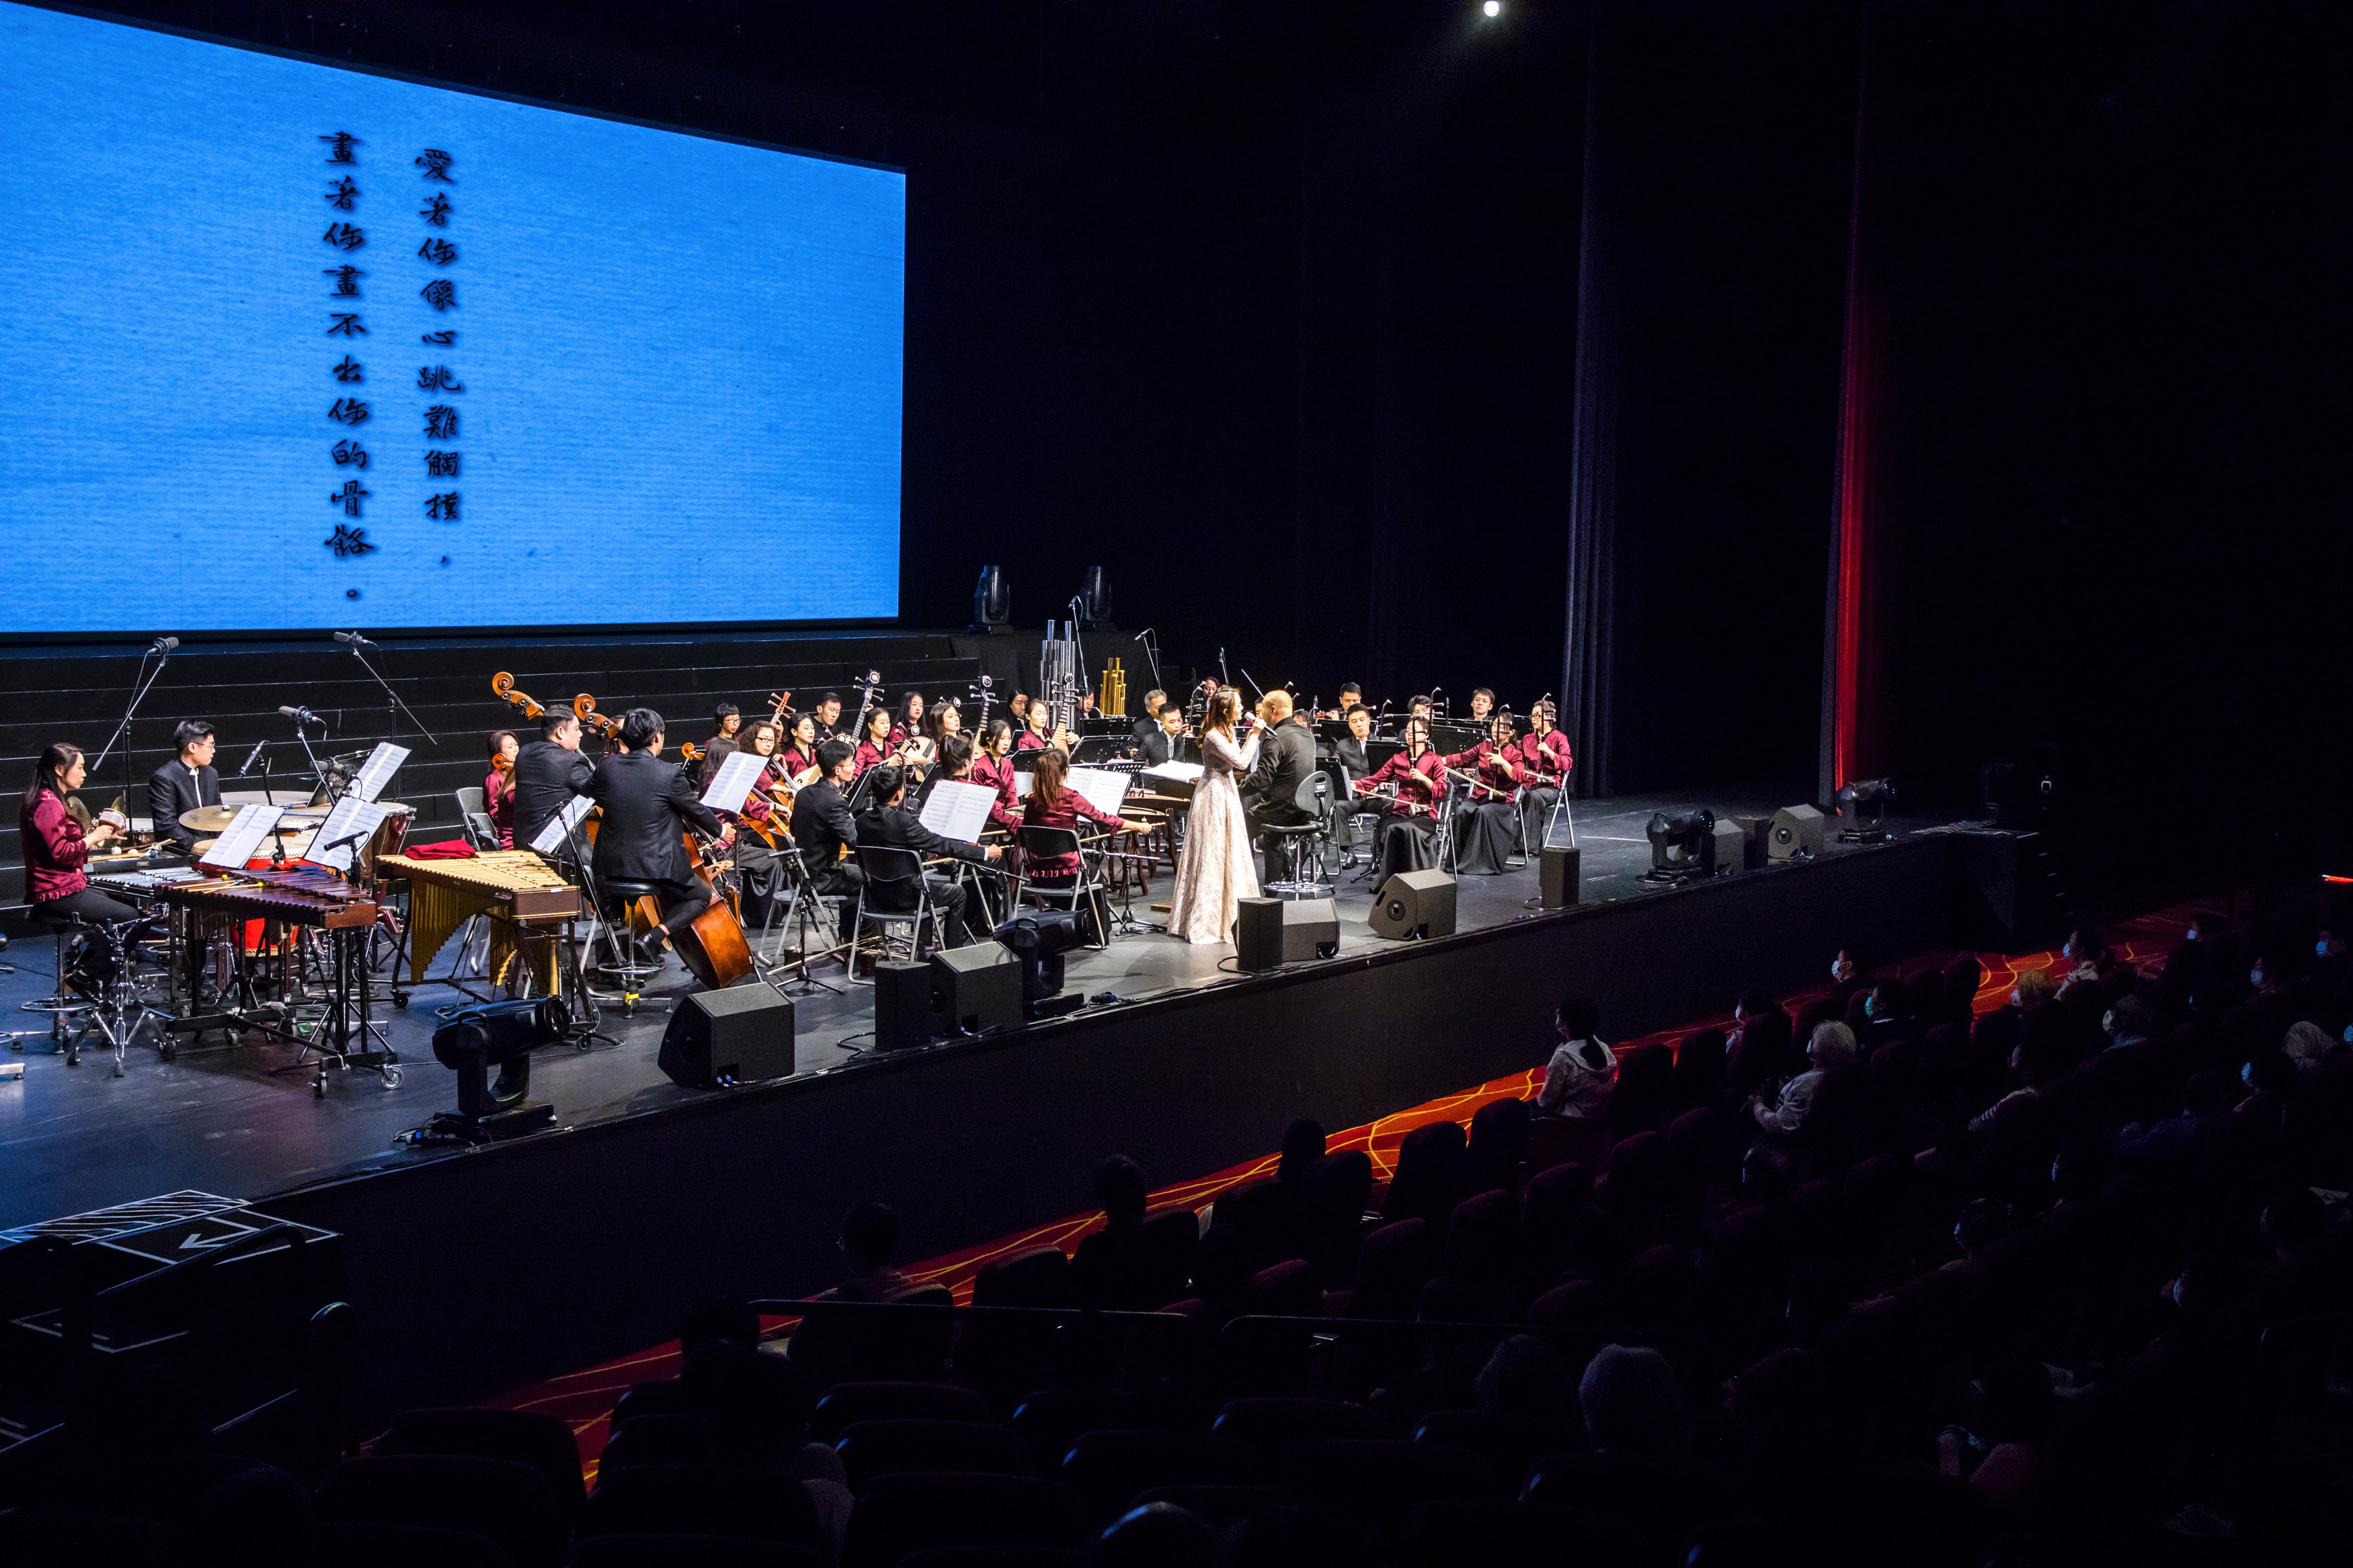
column 1421, row 783
column 795, row 761
column 497, row 803
column 1498, row 769
column 1542, row 770
column 53, row 850
column 1069, row 810
column 867, row 755
column 1028, row 739
column 997, row 772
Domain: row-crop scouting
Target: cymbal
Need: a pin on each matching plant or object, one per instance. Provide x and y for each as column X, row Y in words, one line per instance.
column 204, row 847
column 208, row 818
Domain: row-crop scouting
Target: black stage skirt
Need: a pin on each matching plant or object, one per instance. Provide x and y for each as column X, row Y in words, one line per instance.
column 1485, row 835
column 1403, row 843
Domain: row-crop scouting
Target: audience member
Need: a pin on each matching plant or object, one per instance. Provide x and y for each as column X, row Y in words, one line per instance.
column 1578, row 1078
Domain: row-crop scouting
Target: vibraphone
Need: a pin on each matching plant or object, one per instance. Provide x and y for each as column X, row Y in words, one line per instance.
column 306, row 898
column 526, row 904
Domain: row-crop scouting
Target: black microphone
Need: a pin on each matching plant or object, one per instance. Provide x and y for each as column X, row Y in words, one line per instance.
column 252, row 757
column 303, row 716
column 165, row 645
column 353, row 640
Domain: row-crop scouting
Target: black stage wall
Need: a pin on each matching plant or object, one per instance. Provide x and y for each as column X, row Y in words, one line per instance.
column 495, row 1268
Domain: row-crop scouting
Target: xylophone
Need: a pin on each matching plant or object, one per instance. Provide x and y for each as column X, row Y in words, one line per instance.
column 296, row 896
column 513, row 886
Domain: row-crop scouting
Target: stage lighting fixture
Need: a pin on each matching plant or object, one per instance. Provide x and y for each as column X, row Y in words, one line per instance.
column 1094, row 602
column 1493, row 8
column 992, row 600
column 501, row 1035
column 1682, row 846
column 1039, row 938
column 1852, row 797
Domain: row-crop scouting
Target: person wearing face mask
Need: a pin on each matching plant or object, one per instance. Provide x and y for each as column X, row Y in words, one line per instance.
column 2131, row 1022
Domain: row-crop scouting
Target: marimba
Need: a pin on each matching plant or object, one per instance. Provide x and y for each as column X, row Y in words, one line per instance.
column 525, row 902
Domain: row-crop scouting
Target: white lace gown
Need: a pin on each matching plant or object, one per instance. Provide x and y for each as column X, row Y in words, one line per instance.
column 1217, row 871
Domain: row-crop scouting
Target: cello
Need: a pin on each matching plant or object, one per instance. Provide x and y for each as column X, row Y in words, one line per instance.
column 712, row 947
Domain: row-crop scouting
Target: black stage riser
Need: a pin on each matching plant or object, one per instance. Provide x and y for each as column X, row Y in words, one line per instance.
column 78, row 697
column 588, row 1244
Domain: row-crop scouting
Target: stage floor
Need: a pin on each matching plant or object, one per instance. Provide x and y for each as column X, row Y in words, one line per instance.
column 218, row 1120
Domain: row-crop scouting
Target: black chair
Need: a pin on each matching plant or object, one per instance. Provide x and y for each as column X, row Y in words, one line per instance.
column 1109, row 1468
column 899, row 1516
column 526, row 1436
column 1384, row 1479
column 873, row 1448
column 691, row 1551
column 846, row 1404
column 1493, row 1533
column 500, row 1500
column 1272, row 1426
column 405, row 1546
column 1220, row 1507
column 1083, row 894
column 701, row 1499
column 1510, row 1443
column 895, row 894
column 1051, row 1419
column 1306, row 839
column 994, row 1557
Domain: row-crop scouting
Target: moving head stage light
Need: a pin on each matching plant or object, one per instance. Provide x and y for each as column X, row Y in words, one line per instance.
column 1852, row 797
column 1682, row 846
column 501, row 1035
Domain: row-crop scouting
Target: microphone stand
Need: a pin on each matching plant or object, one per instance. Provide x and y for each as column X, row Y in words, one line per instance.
column 318, row 770
column 398, row 707
column 1152, row 652
column 142, row 683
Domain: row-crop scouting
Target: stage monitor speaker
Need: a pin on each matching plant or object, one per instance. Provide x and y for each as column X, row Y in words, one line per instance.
column 1559, row 872
column 1258, row 934
column 1311, row 929
column 1414, row 903
column 976, row 987
column 740, row 1035
column 1730, row 843
column 1795, row 835
column 904, row 1018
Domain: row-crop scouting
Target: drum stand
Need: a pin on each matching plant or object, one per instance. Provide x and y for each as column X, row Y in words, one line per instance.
column 345, row 1035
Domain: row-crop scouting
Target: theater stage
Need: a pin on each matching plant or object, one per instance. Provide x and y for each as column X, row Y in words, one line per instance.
column 646, row 1194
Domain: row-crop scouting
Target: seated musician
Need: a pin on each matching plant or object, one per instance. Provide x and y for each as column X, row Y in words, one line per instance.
column 822, row 828
column 547, row 773
column 184, row 783
column 942, row 720
column 1403, row 841
column 889, row 823
column 958, row 762
column 56, row 847
column 1482, row 704
column 1544, row 753
column 875, row 745
column 648, row 804
column 1166, row 743
column 992, row 763
column 498, row 785
column 907, row 719
column 1487, row 829
column 828, row 715
column 1350, row 748
column 727, row 724
column 1271, row 793
column 1037, row 729
column 761, row 836
column 1351, row 696
column 1149, row 725
column 797, row 756
column 1053, row 803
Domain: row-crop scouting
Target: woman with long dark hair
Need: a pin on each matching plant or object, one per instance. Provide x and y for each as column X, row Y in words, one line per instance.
column 992, row 764
column 499, row 787
column 1216, row 871
column 56, row 847
column 1053, row 803
column 798, row 757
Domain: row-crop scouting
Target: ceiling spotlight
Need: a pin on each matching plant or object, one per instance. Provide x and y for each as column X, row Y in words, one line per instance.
column 1493, row 8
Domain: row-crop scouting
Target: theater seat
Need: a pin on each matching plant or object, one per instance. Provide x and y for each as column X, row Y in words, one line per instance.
column 1493, row 1533
column 508, row 1502
column 690, row 1552
column 900, row 1515
column 526, row 1436
column 403, row 1546
column 1052, row 1417
column 1109, row 1468
column 846, row 1404
column 1665, row 1500
column 1382, row 1480
column 1512, row 1444
column 1272, row 1425
column 1220, row 1508
column 994, row 1557
column 701, row 1499
column 871, row 1448
column 36, row 1540
column 659, row 1440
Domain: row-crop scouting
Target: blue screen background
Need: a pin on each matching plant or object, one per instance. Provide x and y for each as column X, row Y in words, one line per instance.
column 680, row 357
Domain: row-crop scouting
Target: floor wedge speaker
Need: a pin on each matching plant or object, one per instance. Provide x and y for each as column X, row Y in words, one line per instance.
column 1414, row 903
column 904, row 1018
column 1795, row 835
column 740, row 1035
column 1310, row 929
column 1258, row 934
column 976, row 987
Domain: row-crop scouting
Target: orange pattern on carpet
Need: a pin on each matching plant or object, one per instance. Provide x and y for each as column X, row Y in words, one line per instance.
column 585, row 1398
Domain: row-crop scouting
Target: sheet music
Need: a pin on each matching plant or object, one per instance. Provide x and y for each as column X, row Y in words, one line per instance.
column 957, row 810
column 1021, row 782
column 1183, row 772
column 243, row 838
column 1103, row 790
column 377, row 771
column 351, row 817
column 559, row 826
column 733, row 780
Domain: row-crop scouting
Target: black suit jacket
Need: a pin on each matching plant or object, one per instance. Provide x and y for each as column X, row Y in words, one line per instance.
column 170, row 791
column 821, row 825
column 1159, row 748
column 898, row 828
column 1350, row 752
column 1286, row 756
column 648, row 803
column 546, row 776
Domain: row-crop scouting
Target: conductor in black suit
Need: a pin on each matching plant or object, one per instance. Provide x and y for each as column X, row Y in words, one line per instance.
column 822, row 826
column 891, row 825
column 184, row 783
column 548, row 772
column 1271, row 793
column 648, row 804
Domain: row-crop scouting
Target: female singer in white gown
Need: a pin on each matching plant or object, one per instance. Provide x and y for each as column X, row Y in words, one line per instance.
column 1217, row 871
